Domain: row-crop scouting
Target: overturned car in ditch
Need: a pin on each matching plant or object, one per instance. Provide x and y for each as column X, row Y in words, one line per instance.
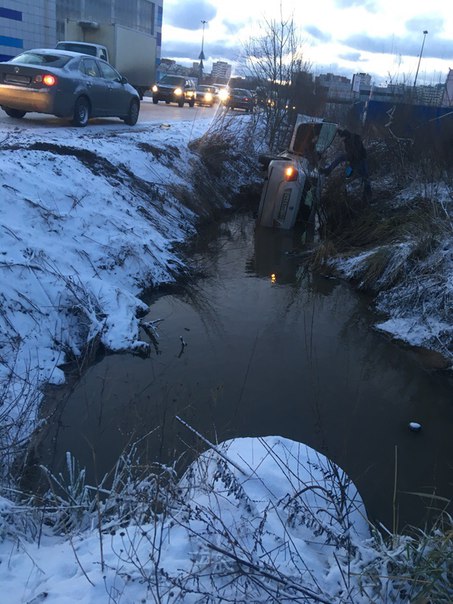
column 293, row 182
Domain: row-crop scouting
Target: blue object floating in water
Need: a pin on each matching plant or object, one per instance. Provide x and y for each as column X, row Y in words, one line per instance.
column 415, row 426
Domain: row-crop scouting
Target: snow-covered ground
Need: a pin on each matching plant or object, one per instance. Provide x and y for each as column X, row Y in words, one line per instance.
column 255, row 520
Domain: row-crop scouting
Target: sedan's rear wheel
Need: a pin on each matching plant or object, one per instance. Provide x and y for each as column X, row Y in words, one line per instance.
column 17, row 113
column 81, row 112
column 132, row 116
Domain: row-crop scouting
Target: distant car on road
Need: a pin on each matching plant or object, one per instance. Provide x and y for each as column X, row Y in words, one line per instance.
column 206, row 95
column 174, row 89
column 240, row 98
column 66, row 84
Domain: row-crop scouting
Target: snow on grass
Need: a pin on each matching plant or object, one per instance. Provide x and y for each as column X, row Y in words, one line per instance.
column 268, row 520
column 411, row 273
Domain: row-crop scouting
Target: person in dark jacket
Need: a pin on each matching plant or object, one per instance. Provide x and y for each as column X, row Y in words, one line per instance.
column 355, row 156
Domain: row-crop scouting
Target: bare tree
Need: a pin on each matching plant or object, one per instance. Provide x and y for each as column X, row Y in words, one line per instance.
column 273, row 59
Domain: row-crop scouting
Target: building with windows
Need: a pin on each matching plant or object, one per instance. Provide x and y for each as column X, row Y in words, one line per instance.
column 221, row 72
column 28, row 24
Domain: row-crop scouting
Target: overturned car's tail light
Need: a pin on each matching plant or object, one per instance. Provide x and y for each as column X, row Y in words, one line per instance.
column 47, row 79
column 290, row 173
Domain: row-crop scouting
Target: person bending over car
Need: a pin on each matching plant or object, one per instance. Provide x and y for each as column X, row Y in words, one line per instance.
column 355, row 156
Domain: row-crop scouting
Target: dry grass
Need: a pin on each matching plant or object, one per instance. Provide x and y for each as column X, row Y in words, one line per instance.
column 214, row 149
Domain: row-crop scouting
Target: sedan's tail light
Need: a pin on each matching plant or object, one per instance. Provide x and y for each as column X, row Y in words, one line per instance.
column 47, row 79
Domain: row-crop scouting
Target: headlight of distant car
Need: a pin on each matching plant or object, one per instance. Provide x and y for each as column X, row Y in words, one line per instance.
column 177, row 91
column 208, row 97
column 154, row 88
column 223, row 95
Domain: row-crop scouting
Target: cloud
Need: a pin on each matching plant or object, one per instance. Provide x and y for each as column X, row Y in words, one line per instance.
column 409, row 46
column 233, row 27
column 189, row 15
column 319, row 35
column 418, row 25
column 364, row 43
column 191, row 51
column 350, row 56
column 369, row 5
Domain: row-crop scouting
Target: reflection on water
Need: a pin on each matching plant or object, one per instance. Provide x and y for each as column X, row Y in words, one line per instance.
column 259, row 347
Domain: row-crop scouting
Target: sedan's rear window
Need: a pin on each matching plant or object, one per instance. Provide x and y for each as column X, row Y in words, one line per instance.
column 36, row 58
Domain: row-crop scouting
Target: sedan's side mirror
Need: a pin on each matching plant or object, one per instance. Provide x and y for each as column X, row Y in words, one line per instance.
column 123, row 80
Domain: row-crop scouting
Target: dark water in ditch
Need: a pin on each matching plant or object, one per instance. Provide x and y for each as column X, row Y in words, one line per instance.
column 269, row 349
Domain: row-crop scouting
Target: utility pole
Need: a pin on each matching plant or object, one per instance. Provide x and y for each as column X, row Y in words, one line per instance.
column 425, row 31
column 201, row 56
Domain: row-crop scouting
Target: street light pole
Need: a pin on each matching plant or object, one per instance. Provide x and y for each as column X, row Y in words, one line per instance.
column 425, row 31
column 202, row 57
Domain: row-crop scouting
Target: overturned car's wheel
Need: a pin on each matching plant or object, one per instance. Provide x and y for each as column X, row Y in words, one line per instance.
column 81, row 112
column 17, row 113
column 132, row 116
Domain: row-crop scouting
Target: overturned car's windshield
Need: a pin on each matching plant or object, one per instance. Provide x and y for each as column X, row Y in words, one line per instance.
column 37, row 58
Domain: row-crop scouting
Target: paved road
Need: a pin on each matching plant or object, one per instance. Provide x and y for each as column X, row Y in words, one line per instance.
column 148, row 113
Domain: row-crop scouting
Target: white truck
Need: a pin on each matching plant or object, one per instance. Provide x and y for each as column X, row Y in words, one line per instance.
column 131, row 52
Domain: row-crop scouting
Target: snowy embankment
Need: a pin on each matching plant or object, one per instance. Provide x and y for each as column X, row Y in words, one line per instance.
column 409, row 266
column 89, row 220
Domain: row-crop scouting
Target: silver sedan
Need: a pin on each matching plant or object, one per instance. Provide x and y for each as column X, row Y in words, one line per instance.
column 66, row 84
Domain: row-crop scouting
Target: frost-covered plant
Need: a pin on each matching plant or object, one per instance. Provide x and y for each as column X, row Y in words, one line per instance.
column 420, row 565
column 133, row 493
column 19, row 400
column 17, row 520
column 69, row 504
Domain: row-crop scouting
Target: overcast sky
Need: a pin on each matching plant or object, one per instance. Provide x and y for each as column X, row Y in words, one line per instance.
column 380, row 37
